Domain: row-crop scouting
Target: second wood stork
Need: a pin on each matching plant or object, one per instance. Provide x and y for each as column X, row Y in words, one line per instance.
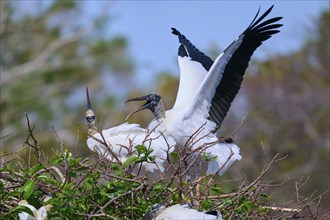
column 202, row 116
column 118, row 143
column 178, row 212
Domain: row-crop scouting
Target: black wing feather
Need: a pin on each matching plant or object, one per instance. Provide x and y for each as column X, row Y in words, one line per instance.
column 254, row 35
column 186, row 48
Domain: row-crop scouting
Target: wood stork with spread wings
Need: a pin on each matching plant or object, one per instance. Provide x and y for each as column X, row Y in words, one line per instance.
column 118, row 143
column 200, row 113
column 177, row 212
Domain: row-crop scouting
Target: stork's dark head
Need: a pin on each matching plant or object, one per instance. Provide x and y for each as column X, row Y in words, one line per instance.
column 90, row 115
column 153, row 103
column 154, row 211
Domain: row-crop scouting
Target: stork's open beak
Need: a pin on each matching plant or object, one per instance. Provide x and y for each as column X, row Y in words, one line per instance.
column 90, row 115
column 143, row 107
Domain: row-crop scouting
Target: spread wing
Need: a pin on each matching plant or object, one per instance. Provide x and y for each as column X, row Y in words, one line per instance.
column 194, row 66
column 226, row 74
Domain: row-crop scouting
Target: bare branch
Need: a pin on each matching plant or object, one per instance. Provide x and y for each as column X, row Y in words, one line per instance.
column 40, row 61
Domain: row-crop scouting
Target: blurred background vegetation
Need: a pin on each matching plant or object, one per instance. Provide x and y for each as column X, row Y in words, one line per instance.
column 49, row 57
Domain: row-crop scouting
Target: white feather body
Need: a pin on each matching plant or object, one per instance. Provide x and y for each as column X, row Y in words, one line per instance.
column 126, row 135
column 178, row 126
column 183, row 212
column 40, row 214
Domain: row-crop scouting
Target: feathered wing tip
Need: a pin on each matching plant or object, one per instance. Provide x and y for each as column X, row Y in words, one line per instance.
column 176, row 32
column 254, row 35
column 264, row 27
column 187, row 49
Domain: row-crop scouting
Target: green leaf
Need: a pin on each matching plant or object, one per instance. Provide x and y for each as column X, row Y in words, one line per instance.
column 44, row 177
column 152, row 158
column 22, row 209
column 141, row 149
column 129, row 161
column 175, row 156
column 35, row 169
column 28, row 189
column 55, row 161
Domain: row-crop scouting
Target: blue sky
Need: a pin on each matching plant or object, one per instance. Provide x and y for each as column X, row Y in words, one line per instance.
column 147, row 25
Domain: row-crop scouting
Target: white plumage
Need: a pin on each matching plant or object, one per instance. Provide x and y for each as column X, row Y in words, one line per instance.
column 38, row 214
column 202, row 110
column 118, row 143
column 178, row 212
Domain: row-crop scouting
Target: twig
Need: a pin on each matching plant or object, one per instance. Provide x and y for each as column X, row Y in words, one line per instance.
column 274, row 208
column 35, row 142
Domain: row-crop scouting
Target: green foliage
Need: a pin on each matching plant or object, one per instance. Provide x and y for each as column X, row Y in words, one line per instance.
column 83, row 188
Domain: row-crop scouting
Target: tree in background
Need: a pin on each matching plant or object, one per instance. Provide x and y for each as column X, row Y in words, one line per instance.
column 48, row 56
column 288, row 103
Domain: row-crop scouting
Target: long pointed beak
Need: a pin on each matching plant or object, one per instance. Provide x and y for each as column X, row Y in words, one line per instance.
column 142, row 98
column 140, row 109
column 145, row 106
column 89, row 106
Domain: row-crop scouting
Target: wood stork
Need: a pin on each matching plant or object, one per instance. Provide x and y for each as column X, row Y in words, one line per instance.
column 117, row 143
column 211, row 101
column 178, row 212
column 40, row 214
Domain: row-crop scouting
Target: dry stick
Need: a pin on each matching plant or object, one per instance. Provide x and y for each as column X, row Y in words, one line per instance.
column 274, row 208
column 263, row 172
column 211, row 144
column 7, row 135
column 66, row 166
column 183, row 158
column 171, row 179
column 162, row 177
column 149, row 139
column 298, row 188
column 318, row 197
column 91, row 169
column 35, row 142
column 90, row 216
column 238, row 127
column 104, row 143
column 215, row 174
column 192, row 140
column 255, row 196
column 108, row 147
column 194, row 183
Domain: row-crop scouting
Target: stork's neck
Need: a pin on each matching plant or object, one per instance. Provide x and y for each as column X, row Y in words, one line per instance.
column 160, row 111
column 92, row 129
